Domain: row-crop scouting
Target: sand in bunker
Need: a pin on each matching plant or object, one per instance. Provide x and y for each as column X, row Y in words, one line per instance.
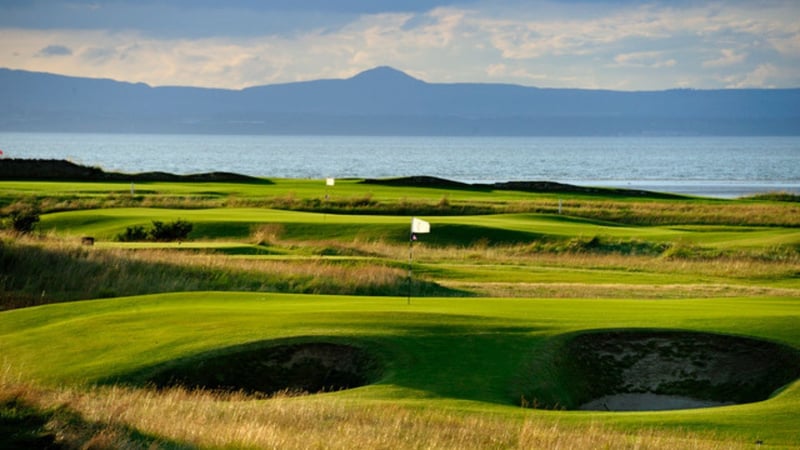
column 647, row 402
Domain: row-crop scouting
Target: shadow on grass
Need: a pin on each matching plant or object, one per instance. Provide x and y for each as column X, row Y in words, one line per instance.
column 461, row 357
column 26, row 426
column 294, row 365
column 469, row 235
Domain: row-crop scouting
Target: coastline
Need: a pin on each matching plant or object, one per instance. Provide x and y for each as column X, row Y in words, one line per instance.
column 63, row 170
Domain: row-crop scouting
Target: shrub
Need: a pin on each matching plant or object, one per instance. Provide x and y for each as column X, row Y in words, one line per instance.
column 160, row 232
column 24, row 217
column 172, row 231
column 132, row 234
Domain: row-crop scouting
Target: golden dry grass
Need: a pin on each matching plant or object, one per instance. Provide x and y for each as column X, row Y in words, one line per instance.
column 118, row 417
column 616, row 290
column 656, row 212
column 76, row 272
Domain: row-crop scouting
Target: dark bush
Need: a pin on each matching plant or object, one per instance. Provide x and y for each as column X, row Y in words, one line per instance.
column 132, row 234
column 160, row 232
column 24, row 217
column 172, row 231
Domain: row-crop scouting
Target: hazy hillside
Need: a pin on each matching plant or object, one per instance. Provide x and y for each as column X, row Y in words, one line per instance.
column 387, row 101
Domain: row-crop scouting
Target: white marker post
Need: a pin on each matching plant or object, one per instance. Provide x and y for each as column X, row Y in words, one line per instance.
column 329, row 182
column 418, row 226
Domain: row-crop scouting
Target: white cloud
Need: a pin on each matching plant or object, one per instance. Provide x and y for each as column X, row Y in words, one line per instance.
column 550, row 44
column 652, row 60
column 728, row 57
column 497, row 70
column 787, row 45
column 762, row 77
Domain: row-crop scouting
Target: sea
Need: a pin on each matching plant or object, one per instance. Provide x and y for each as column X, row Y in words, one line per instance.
column 724, row 167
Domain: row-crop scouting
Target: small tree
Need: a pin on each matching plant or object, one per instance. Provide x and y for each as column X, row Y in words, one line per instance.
column 159, row 232
column 133, row 234
column 172, row 231
column 24, row 217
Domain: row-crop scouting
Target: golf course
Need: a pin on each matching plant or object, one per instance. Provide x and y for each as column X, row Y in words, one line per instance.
column 294, row 314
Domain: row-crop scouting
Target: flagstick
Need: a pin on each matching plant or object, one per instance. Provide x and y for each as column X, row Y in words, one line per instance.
column 417, row 226
column 410, row 256
column 328, row 182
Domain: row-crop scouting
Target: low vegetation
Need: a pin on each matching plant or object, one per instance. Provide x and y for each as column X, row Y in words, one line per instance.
column 465, row 322
column 23, row 217
column 76, row 272
column 117, row 417
column 177, row 230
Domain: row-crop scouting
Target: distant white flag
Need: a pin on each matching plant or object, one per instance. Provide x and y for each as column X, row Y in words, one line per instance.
column 329, row 182
column 420, row 226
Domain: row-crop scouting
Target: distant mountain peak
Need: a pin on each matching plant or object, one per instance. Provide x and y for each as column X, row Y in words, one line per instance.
column 386, row 101
column 385, row 74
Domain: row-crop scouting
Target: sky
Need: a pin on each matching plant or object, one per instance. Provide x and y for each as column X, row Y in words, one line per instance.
column 591, row 44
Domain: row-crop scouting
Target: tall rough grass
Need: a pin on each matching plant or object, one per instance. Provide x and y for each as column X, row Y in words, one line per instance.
column 687, row 212
column 120, row 417
column 36, row 272
column 616, row 290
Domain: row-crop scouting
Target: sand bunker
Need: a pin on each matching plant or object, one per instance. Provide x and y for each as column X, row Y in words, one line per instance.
column 659, row 370
column 297, row 368
column 647, row 402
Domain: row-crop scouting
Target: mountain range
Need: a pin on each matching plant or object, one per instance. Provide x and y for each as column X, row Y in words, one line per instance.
column 386, row 101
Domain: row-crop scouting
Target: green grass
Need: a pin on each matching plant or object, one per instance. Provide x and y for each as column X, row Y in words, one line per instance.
column 521, row 276
column 352, row 197
column 443, row 353
column 238, row 223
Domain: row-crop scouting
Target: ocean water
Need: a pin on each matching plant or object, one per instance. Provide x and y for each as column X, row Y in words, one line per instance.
column 708, row 166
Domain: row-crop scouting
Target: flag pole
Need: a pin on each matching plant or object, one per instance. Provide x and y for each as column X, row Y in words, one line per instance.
column 417, row 226
column 329, row 181
column 410, row 256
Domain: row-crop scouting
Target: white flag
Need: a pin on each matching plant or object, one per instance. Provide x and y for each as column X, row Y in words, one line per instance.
column 329, row 182
column 420, row 226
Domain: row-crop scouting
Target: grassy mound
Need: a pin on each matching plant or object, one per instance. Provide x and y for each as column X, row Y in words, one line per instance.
column 55, row 169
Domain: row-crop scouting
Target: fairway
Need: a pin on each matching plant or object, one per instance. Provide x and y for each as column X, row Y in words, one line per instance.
column 470, row 327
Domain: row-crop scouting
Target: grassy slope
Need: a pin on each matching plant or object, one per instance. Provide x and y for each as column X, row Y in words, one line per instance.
column 237, row 223
column 483, row 344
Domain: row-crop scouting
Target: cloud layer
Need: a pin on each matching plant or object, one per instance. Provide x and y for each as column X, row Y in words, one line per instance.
column 613, row 44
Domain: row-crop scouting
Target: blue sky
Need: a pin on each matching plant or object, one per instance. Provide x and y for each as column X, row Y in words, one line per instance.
column 605, row 44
